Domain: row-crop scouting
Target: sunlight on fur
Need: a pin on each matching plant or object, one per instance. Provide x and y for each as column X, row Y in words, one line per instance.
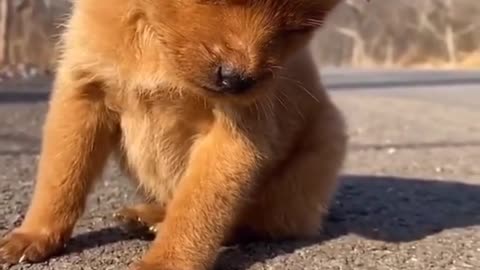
column 213, row 108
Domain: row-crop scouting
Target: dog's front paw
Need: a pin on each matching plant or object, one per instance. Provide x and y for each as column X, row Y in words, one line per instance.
column 19, row 246
column 140, row 217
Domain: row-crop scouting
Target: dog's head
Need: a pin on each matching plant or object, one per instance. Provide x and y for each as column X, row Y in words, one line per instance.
column 229, row 48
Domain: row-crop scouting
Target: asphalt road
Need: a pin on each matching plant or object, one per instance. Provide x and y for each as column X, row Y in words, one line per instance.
column 410, row 197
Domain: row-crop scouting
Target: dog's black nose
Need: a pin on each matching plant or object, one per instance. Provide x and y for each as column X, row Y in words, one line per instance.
column 230, row 80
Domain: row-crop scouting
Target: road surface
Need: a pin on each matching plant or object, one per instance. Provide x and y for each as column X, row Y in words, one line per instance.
column 410, row 198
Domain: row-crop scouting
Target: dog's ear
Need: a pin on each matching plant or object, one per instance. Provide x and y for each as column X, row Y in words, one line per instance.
column 311, row 15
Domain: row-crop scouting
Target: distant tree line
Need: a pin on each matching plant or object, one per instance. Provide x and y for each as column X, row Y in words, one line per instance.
column 359, row 33
column 402, row 33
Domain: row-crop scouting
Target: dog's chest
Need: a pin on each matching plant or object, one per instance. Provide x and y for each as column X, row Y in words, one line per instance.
column 156, row 146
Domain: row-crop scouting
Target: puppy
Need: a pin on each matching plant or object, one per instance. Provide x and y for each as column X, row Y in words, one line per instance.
column 213, row 108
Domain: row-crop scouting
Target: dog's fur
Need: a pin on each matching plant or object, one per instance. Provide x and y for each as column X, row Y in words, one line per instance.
column 134, row 80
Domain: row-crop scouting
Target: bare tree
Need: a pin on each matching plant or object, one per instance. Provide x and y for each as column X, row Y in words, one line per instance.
column 442, row 21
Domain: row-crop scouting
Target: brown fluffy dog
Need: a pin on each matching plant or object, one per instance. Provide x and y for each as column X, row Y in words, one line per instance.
column 214, row 108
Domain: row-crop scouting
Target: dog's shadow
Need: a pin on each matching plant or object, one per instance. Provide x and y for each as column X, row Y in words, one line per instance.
column 389, row 209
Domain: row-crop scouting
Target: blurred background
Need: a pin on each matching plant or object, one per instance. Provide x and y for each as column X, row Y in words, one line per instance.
column 386, row 33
